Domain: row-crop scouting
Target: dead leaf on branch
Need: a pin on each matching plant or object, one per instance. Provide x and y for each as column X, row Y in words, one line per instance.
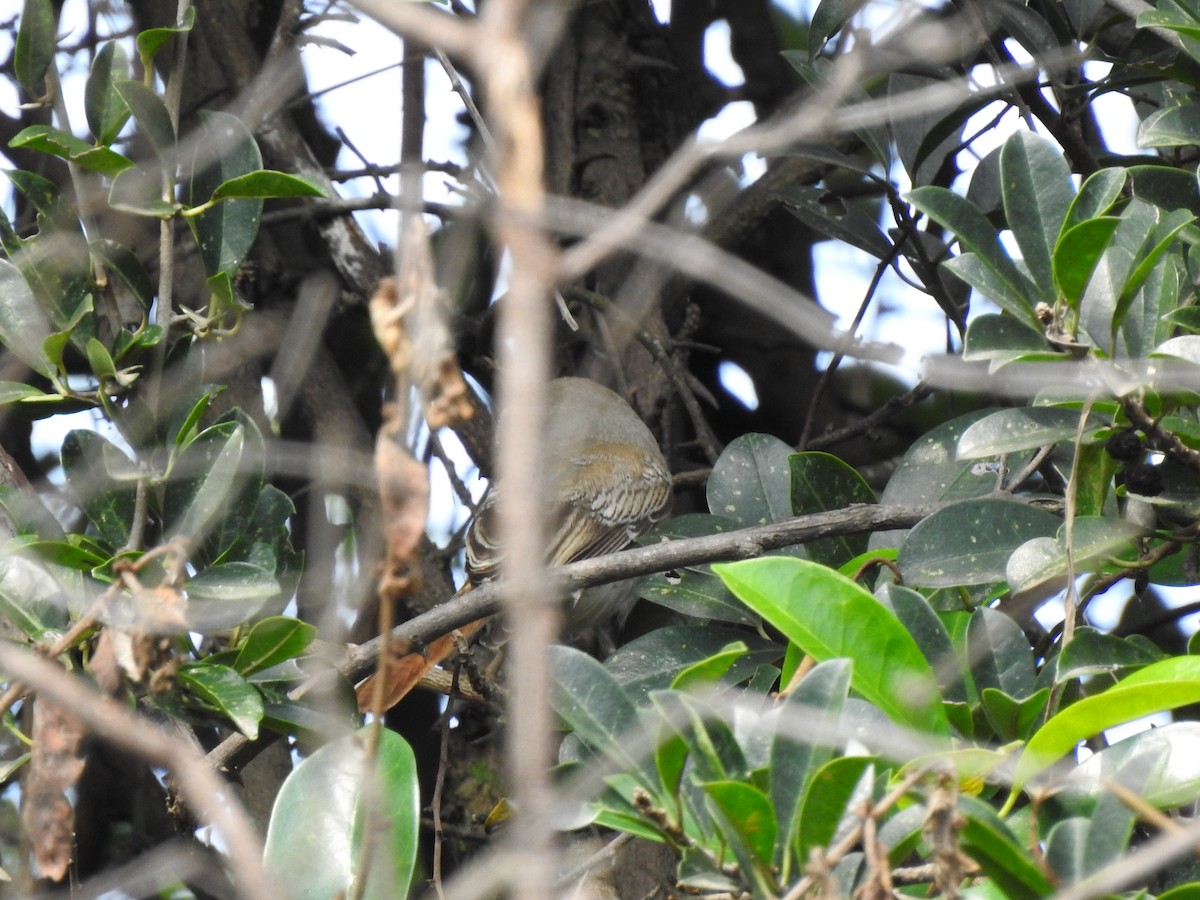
column 54, row 768
column 408, row 314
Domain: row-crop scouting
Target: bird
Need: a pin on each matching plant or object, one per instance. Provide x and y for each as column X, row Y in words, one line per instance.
column 607, row 484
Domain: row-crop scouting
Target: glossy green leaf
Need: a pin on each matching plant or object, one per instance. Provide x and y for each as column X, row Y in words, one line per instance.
column 23, row 323
column 1020, row 428
column 592, row 704
column 35, row 44
column 218, row 466
column 842, row 221
column 331, row 804
column 16, row 391
column 106, row 110
column 1174, row 126
column 137, row 192
column 694, row 591
column 928, row 630
column 992, row 270
column 45, row 139
column 819, row 483
column 102, row 478
column 750, row 482
column 1093, row 539
column 994, row 336
column 970, row 542
column 1011, row 718
column 1000, row 655
column 225, row 232
column 652, row 662
column 1077, row 253
column 125, row 264
column 150, row 41
column 1097, row 195
column 986, row 839
column 225, row 691
column 829, row 616
column 707, row 672
column 1037, row 193
column 794, row 762
column 931, row 470
column 1158, row 687
column 272, row 641
column 1092, row 652
column 151, row 114
column 1161, row 765
column 827, row 801
column 749, row 823
column 30, row 597
column 265, row 183
column 827, row 20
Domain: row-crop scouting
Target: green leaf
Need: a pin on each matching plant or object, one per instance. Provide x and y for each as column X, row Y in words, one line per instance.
column 750, row 481
column 16, row 391
column 45, row 139
column 106, row 110
column 793, row 762
column 266, row 183
column 1037, row 193
column 103, row 480
column 1174, row 126
column 222, row 689
column 749, row 825
column 99, row 359
column 1093, row 538
column 709, row 671
column 1097, row 196
column 970, row 542
column 1000, row 655
column 928, row 630
column 693, row 591
column 829, row 616
column 1005, row 283
column 821, row 482
column 592, row 704
column 987, row 840
column 225, row 151
column 136, row 192
column 151, row 115
column 1158, row 687
column 216, row 457
column 23, row 323
column 272, row 641
column 1161, row 765
column 1077, row 253
column 994, row 336
column 827, row 801
column 27, row 592
column 827, row 20
column 125, row 264
column 1092, row 652
column 652, row 662
column 35, row 45
column 331, row 804
column 228, row 594
column 1013, row 719
column 1021, row 428
column 841, row 220
column 150, row 41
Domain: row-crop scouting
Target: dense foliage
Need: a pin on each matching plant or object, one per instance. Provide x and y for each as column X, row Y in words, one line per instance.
column 881, row 670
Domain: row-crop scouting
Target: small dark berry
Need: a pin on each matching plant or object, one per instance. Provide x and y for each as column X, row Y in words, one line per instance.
column 1144, row 479
column 1141, row 581
column 1124, row 446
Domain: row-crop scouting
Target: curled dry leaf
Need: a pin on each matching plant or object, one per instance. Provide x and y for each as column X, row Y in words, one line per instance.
column 408, row 316
column 54, row 767
column 404, row 499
